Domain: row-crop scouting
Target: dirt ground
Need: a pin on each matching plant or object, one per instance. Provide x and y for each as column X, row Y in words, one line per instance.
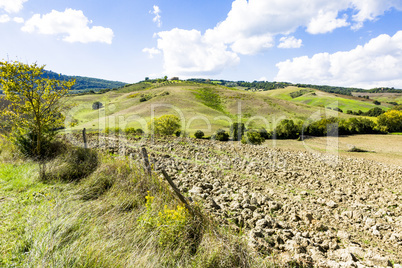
column 385, row 149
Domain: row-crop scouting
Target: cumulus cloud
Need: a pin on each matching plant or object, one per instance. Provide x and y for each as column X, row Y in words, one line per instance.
column 253, row 44
column 326, row 22
column 157, row 19
column 251, row 26
column 151, row 51
column 72, row 24
column 375, row 64
column 290, row 42
column 12, row 6
column 188, row 53
column 18, row 20
column 4, row 18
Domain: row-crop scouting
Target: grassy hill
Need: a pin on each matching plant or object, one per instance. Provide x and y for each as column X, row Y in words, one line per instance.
column 207, row 106
column 85, row 84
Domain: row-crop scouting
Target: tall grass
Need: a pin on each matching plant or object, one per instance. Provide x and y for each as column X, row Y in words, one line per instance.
column 210, row 98
column 116, row 216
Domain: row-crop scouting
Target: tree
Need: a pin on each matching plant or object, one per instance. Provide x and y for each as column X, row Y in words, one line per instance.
column 199, row 134
column 97, row 105
column 35, row 108
column 221, row 135
column 391, row 119
column 165, row 125
column 237, row 131
column 252, row 137
column 287, row 129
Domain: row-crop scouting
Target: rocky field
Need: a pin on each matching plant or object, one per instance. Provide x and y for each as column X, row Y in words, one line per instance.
column 293, row 206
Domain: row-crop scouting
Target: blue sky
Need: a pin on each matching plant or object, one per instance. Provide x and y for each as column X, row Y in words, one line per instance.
column 345, row 42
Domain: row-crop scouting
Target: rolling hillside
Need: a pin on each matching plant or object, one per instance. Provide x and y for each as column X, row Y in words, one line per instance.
column 207, row 106
column 85, row 84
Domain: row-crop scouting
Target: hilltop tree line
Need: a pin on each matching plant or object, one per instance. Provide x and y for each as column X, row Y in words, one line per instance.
column 83, row 84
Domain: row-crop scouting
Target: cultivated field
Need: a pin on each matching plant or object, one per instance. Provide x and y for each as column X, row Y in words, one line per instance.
column 382, row 97
column 293, row 204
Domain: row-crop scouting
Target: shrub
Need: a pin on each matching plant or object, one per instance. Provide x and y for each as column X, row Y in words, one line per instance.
column 322, row 127
column 27, row 144
column 237, row 131
column 376, row 102
column 374, row 112
column 360, row 126
column 145, row 98
column 97, row 105
column 252, row 137
column 73, row 165
column 287, row 129
column 116, row 130
column 165, row 125
column 265, row 134
column 392, row 120
column 338, row 109
column 133, row 131
column 130, row 131
column 221, row 135
column 199, row 134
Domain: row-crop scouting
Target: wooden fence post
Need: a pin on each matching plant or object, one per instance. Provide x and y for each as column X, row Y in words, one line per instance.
column 84, row 136
column 177, row 192
column 146, row 161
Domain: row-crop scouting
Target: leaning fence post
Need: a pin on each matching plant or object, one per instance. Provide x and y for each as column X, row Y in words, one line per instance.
column 84, row 136
column 146, row 161
column 177, row 192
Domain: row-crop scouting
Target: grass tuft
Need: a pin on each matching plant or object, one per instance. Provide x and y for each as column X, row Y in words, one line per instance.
column 111, row 215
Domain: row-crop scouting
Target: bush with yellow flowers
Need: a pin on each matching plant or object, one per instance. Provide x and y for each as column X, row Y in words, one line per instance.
column 170, row 224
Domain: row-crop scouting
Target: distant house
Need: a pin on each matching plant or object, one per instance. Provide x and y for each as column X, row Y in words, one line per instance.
column 174, row 79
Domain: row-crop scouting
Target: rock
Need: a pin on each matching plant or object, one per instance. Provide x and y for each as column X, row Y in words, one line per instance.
column 196, row 190
column 332, row 204
column 343, row 235
column 344, row 255
column 369, row 222
column 235, row 206
column 347, row 214
column 308, row 218
column 294, row 247
column 263, row 223
column 210, row 202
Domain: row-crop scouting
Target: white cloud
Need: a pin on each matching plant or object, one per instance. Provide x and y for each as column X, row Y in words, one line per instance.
column 326, row 22
column 253, row 44
column 12, row 6
column 251, row 26
column 72, row 24
column 151, row 51
column 377, row 63
column 290, row 42
column 4, row 18
column 18, row 20
column 157, row 19
column 188, row 53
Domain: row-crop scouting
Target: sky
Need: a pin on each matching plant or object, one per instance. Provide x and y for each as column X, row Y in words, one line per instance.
column 351, row 43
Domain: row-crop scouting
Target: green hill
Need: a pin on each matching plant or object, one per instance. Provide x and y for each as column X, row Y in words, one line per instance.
column 85, row 84
column 207, row 106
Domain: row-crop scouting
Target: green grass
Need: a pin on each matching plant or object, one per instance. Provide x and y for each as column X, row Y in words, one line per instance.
column 210, row 98
column 107, row 220
column 323, row 99
column 18, row 178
